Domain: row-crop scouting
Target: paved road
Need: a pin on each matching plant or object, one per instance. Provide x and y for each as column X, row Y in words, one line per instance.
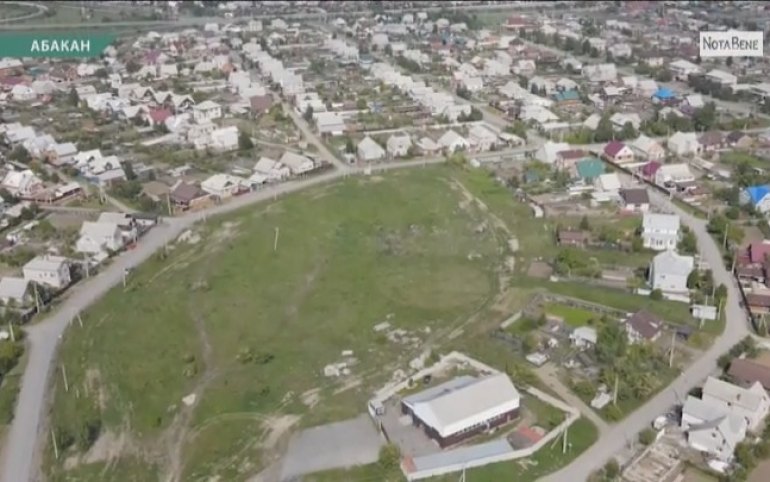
column 20, row 460
column 737, row 328
column 39, row 11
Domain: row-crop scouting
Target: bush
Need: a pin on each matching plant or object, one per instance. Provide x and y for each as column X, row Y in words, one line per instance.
column 647, row 436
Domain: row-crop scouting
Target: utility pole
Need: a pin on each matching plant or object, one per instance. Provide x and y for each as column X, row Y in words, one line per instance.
column 462, row 476
column 11, row 332
column 275, row 241
column 615, row 391
column 168, row 204
column 125, row 276
column 37, row 297
column 564, row 443
column 671, row 355
column 55, row 445
column 64, row 377
column 724, row 241
column 80, row 321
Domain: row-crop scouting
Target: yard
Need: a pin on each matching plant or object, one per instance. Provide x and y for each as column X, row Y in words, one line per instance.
column 582, row 435
column 573, row 317
column 247, row 330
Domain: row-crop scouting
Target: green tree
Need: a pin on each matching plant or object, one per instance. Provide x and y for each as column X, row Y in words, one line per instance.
column 308, row 115
column 244, row 141
column 389, row 460
column 647, row 436
column 73, row 97
column 656, row 295
column 628, row 131
column 350, row 147
column 20, row 154
column 584, row 224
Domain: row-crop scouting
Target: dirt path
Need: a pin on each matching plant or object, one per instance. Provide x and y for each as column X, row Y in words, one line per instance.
column 548, row 375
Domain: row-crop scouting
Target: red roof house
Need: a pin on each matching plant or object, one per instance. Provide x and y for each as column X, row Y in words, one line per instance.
column 618, row 152
column 649, row 169
column 159, row 116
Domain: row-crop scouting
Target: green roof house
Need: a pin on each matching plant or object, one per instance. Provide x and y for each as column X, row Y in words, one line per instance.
column 589, row 169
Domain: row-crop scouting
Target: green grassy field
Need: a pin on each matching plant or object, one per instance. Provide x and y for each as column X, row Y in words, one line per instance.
column 250, row 329
column 574, row 317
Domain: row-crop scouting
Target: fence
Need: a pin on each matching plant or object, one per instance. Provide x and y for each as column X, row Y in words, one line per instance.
column 543, row 298
column 463, row 457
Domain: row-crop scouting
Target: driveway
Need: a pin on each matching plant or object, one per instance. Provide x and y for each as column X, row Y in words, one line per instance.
column 333, row 446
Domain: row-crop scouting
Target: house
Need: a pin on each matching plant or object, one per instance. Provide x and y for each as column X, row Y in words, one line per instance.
column 97, row 238
column 22, row 184
column 584, row 337
column 608, row 183
column 712, row 141
column 297, row 163
column 548, row 152
column 222, row 185
column 695, row 101
column 635, row 200
column 61, row 154
column 660, row 231
column 15, row 290
column 185, row 196
column 398, row 145
column 600, row 72
column 224, row 138
column 722, row 78
column 674, row 175
column 273, row 171
column 712, row 429
column 643, row 326
column 481, row 138
column 589, row 169
column 207, row 111
column 260, row 103
column 669, row 272
column 618, row 152
column 369, row 151
column 746, row 372
column 329, row 123
column 53, row 271
column 752, row 404
column 620, row 119
column 463, row 407
column 428, row 147
column 739, row 140
column 684, row 144
column 757, row 196
column 572, row 238
column 646, row 148
column 451, row 141
column 682, row 69
column 566, row 160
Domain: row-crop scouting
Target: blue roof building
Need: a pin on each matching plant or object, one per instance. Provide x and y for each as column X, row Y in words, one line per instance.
column 664, row 93
column 758, row 197
column 566, row 96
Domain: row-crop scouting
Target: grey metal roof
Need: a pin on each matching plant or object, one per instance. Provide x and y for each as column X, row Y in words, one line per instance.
column 462, row 455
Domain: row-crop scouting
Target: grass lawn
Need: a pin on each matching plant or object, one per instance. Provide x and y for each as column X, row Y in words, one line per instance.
column 582, row 435
column 671, row 311
column 250, row 329
column 574, row 317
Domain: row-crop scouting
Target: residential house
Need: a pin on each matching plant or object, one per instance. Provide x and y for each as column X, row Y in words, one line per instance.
column 753, row 403
column 329, row 123
column 669, row 272
column 712, row 141
column 643, row 327
column 584, row 337
column 22, row 184
column 369, row 151
column 674, row 175
column 61, row 154
column 260, row 104
column 566, row 160
column 746, row 372
column 660, row 231
column 16, row 291
column 53, row 271
column 428, row 147
column 589, row 169
column 739, row 140
column 207, row 111
column 548, row 152
column 185, row 196
column 619, row 153
column 97, row 238
column 609, row 184
column 271, row 170
column 684, row 144
column 620, row 119
column 635, row 200
column 600, row 72
column 481, row 138
column 451, row 141
column 223, row 186
column 712, row 429
column 224, row 138
column 682, row 69
column 722, row 78
column 398, row 145
column 297, row 163
column 758, row 197
column 646, row 148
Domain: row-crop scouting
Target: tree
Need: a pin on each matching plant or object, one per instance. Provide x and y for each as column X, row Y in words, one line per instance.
column 361, row 104
column 584, row 224
column 611, row 470
column 656, row 295
column 689, row 243
column 647, row 436
column 20, row 154
column 729, row 61
column 720, row 294
column 389, row 460
column 628, row 131
column 132, row 66
column 73, row 97
column 693, row 280
column 388, row 50
column 244, row 141
column 350, row 147
column 128, row 168
column 308, row 115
